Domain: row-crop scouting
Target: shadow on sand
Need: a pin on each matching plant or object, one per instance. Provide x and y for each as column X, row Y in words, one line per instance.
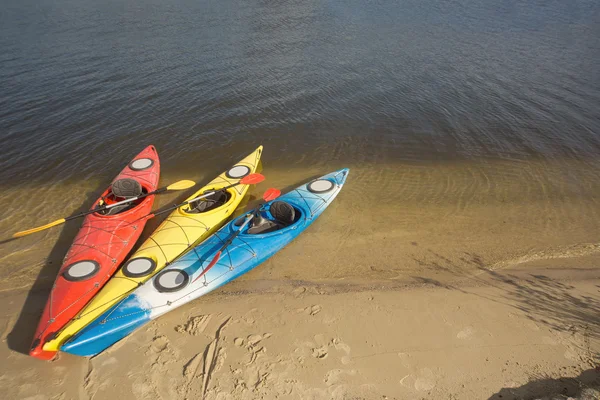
column 586, row 386
column 21, row 336
column 544, row 299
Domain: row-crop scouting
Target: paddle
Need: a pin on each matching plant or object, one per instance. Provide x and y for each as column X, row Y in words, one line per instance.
column 251, row 179
column 179, row 185
column 270, row 194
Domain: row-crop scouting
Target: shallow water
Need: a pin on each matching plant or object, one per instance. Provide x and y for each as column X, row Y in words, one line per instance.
column 471, row 127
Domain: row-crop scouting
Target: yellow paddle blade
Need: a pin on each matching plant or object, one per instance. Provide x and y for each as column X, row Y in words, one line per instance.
column 39, row 228
column 180, row 185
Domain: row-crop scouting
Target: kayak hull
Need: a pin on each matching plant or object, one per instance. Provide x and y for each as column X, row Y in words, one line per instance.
column 179, row 232
column 99, row 248
column 186, row 279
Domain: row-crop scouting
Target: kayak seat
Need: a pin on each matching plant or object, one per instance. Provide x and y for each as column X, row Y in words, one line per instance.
column 116, row 209
column 126, row 188
column 283, row 215
column 211, row 202
column 283, row 212
column 120, row 190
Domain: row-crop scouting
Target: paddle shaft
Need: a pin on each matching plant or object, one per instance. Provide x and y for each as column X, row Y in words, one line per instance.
column 246, row 222
column 227, row 243
column 269, row 195
column 179, row 185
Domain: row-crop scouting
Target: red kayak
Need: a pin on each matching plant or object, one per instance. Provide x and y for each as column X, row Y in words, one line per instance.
column 101, row 245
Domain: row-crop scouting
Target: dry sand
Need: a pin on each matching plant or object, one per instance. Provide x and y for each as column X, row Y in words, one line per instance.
column 519, row 333
column 468, row 282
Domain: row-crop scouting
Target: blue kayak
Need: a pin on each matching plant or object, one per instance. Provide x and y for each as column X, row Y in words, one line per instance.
column 188, row 278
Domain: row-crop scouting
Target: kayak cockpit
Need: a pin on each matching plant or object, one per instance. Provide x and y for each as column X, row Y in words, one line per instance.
column 279, row 215
column 215, row 200
column 120, row 190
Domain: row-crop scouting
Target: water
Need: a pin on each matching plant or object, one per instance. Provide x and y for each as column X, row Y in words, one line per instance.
column 470, row 126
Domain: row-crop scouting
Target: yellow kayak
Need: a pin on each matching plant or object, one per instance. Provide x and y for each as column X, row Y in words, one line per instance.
column 185, row 227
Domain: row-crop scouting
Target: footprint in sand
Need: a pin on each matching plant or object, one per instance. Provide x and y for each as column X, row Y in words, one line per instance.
column 336, row 376
column 249, row 318
column 299, row 291
column 195, row 325
column 160, row 351
column 465, row 333
column 422, row 382
column 320, row 340
column 310, row 310
column 341, row 346
column 426, row 382
column 252, row 342
column 320, row 352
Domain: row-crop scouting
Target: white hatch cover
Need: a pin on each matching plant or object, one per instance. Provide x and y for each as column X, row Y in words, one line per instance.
column 139, row 267
column 171, row 280
column 81, row 270
column 141, row 164
column 320, row 186
column 237, row 172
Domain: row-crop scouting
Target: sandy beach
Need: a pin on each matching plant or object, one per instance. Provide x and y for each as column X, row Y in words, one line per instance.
column 455, row 297
column 524, row 333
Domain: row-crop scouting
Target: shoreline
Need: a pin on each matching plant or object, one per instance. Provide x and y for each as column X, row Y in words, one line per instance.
column 473, row 214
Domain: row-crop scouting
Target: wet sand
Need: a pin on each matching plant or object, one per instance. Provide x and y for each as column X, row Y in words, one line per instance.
column 468, row 280
column 391, row 221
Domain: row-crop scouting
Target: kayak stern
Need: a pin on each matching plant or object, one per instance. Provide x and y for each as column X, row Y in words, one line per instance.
column 37, row 352
column 112, row 326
